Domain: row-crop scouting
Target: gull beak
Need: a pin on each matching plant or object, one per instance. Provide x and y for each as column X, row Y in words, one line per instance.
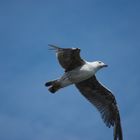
column 105, row 65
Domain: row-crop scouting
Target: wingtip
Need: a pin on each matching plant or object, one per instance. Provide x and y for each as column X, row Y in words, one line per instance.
column 118, row 130
column 53, row 47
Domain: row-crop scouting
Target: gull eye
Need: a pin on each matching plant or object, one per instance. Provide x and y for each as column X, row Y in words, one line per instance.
column 99, row 62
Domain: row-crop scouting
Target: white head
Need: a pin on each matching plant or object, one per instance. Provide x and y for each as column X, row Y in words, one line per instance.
column 98, row 65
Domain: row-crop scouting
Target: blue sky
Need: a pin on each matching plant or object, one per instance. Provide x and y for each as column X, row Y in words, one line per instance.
column 104, row 30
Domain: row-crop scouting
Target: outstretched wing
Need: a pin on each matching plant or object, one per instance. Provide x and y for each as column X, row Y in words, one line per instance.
column 104, row 101
column 69, row 58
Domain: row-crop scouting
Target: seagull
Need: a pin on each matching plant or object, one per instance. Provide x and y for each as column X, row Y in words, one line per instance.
column 81, row 73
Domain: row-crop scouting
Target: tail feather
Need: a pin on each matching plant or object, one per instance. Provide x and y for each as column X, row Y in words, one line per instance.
column 53, row 86
column 118, row 130
column 52, row 89
column 47, row 84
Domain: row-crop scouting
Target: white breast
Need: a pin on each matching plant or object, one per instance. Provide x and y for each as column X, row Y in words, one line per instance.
column 81, row 73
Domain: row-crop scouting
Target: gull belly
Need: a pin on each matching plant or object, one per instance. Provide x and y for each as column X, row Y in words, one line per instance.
column 77, row 75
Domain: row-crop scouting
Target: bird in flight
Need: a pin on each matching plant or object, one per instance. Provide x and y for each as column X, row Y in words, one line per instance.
column 82, row 74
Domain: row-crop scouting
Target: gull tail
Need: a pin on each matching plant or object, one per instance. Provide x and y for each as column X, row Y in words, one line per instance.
column 117, row 129
column 53, row 86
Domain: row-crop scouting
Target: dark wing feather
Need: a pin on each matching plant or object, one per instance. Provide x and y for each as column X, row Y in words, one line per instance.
column 69, row 58
column 104, row 101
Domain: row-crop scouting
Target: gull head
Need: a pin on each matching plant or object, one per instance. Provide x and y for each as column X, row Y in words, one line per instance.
column 98, row 65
